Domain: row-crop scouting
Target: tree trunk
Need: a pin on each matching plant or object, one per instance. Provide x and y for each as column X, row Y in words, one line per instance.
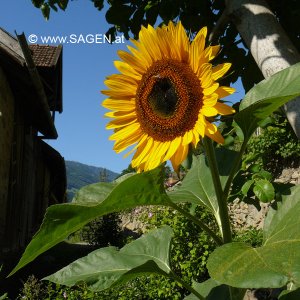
column 268, row 43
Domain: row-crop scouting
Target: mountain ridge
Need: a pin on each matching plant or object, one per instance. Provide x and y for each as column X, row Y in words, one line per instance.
column 80, row 175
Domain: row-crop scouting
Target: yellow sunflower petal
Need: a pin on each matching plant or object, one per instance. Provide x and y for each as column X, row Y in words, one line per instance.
column 182, row 42
column 142, row 140
column 214, row 52
column 122, row 79
column 209, row 111
column 211, row 99
column 179, row 157
column 120, row 122
column 196, row 50
column 161, row 150
column 156, row 155
column 173, row 147
column 133, row 61
column 187, row 138
column 200, row 38
column 224, row 109
column 148, row 38
column 164, row 44
column 200, row 127
column 120, row 86
column 121, row 114
column 211, row 89
column 140, row 55
column 220, row 70
column 150, row 164
column 212, row 132
column 205, row 75
column 196, row 138
column 121, row 145
column 125, row 132
column 120, row 105
column 146, row 55
column 142, row 150
column 224, row 91
column 118, row 94
column 126, row 69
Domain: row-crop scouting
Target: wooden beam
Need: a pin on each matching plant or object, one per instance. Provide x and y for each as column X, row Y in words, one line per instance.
column 37, row 83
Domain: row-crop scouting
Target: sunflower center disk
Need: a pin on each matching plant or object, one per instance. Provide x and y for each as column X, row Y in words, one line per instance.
column 163, row 98
column 169, row 98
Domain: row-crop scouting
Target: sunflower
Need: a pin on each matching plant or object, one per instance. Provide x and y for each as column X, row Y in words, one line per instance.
column 162, row 98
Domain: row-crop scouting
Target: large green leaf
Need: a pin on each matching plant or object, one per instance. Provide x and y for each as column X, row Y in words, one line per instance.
column 209, row 290
column 198, row 188
column 108, row 267
column 285, row 222
column 63, row 219
column 275, row 264
column 266, row 97
column 290, row 295
column 94, row 193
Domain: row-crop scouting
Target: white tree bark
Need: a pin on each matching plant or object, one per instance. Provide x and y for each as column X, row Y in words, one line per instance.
column 268, row 43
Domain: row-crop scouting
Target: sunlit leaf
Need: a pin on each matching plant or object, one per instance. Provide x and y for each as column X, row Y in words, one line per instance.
column 290, row 295
column 198, row 188
column 210, row 290
column 274, row 264
column 63, row 219
column 266, row 97
column 107, row 267
column 264, row 190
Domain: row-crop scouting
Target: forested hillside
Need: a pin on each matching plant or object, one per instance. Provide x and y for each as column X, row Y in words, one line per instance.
column 79, row 175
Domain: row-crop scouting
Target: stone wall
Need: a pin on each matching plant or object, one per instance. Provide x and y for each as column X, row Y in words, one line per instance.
column 6, row 137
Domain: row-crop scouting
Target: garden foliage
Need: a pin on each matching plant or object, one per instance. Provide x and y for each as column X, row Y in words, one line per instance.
column 233, row 266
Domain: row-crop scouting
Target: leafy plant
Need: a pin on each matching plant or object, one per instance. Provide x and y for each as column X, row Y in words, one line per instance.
column 35, row 289
column 103, row 231
column 277, row 146
column 233, row 266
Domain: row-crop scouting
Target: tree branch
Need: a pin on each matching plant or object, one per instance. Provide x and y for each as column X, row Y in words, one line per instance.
column 219, row 27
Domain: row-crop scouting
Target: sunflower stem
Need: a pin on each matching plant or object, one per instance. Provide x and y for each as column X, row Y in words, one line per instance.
column 187, row 286
column 222, row 200
column 234, row 169
column 197, row 222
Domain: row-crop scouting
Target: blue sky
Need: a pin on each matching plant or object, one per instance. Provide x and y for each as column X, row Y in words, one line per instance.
column 81, row 126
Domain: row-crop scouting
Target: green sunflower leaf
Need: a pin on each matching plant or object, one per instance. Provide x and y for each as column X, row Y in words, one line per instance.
column 108, row 267
column 63, row 219
column 266, row 97
column 210, row 290
column 93, row 193
column 275, row 264
column 290, row 295
column 198, row 188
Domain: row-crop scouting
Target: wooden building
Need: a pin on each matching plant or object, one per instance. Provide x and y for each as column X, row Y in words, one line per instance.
column 32, row 174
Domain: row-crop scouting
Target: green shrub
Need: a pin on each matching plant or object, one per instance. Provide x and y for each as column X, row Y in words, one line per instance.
column 277, row 147
column 35, row 289
column 189, row 254
column 250, row 236
column 103, row 231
